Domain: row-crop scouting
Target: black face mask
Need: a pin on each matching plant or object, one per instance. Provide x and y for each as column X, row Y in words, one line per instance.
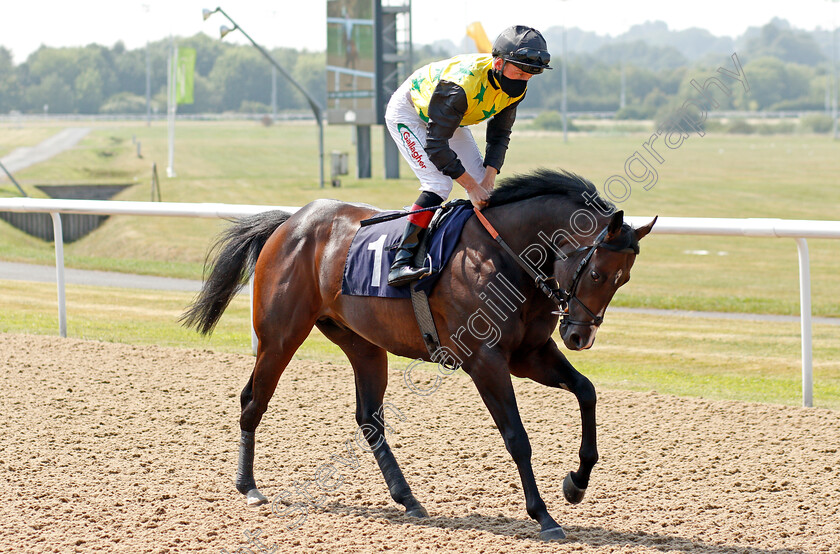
column 511, row 87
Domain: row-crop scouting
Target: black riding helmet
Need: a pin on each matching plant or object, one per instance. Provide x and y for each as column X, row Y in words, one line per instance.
column 524, row 47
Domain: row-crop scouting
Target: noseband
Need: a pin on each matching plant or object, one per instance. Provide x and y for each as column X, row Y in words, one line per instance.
column 570, row 295
column 549, row 286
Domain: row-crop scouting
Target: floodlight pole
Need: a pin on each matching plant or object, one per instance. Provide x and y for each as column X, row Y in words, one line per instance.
column 316, row 108
column 12, row 179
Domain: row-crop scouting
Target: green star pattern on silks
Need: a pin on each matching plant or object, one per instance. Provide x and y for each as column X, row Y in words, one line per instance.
column 491, row 112
column 436, row 76
column 423, row 116
column 480, row 95
column 464, row 70
column 415, row 83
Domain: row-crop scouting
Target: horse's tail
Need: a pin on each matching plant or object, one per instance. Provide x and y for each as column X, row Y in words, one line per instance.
column 234, row 255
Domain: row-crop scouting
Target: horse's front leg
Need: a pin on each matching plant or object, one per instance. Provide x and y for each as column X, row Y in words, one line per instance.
column 547, row 365
column 492, row 379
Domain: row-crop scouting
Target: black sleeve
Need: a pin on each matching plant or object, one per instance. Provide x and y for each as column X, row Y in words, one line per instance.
column 446, row 110
column 498, row 136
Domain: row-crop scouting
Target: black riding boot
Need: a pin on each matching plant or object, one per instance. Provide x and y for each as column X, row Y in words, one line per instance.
column 402, row 272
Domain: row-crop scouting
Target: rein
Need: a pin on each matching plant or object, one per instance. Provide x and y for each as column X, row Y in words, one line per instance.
column 548, row 285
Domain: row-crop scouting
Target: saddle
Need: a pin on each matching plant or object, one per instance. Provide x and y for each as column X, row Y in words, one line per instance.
column 373, row 249
column 420, row 295
column 423, row 258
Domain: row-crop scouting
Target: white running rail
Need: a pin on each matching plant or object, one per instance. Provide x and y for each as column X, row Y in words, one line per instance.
column 799, row 230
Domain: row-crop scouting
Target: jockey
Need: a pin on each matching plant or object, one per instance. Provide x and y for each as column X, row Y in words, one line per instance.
column 427, row 116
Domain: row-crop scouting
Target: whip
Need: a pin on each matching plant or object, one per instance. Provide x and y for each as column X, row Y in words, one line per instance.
column 390, row 217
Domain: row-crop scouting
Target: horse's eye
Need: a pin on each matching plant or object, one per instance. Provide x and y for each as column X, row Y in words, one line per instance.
column 595, row 276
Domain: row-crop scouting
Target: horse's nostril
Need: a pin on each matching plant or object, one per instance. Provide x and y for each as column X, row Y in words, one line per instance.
column 575, row 339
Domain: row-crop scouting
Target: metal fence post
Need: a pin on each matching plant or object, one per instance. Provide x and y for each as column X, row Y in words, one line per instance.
column 58, row 236
column 805, row 321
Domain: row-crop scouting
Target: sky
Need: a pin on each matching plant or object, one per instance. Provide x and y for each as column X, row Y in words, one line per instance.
column 27, row 24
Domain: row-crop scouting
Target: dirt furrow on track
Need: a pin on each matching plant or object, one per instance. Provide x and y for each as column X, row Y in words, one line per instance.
column 124, row 448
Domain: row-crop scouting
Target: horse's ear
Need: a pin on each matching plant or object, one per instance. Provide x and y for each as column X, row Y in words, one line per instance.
column 642, row 232
column 615, row 225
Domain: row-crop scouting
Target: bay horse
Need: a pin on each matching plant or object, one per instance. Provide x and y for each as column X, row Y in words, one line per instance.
column 554, row 220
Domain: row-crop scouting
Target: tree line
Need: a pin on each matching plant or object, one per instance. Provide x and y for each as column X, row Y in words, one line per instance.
column 95, row 79
column 786, row 69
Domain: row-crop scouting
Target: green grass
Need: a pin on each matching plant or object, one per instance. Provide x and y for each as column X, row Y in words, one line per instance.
column 792, row 177
column 739, row 274
column 116, row 315
column 714, row 358
column 720, row 359
column 17, row 135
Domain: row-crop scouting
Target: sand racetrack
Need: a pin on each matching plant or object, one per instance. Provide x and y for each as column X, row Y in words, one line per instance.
column 114, row 447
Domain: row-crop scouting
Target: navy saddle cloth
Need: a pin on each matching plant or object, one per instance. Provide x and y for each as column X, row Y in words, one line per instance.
column 374, row 248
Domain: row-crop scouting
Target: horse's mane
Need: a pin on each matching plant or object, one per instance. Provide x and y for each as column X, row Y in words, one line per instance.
column 544, row 182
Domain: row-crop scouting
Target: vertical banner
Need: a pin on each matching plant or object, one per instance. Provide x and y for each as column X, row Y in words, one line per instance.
column 185, row 68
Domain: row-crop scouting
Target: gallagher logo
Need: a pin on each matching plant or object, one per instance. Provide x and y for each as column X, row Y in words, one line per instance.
column 411, row 141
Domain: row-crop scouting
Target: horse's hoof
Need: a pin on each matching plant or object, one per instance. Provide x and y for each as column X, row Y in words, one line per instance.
column 255, row 498
column 571, row 491
column 418, row 512
column 553, row 534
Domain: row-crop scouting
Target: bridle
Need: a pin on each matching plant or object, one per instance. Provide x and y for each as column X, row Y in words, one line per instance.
column 570, row 295
column 563, row 298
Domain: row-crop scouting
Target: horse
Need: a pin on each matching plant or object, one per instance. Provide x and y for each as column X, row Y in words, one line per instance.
column 556, row 221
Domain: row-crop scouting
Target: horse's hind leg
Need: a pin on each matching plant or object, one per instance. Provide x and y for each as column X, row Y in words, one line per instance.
column 273, row 355
column 370, row 366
